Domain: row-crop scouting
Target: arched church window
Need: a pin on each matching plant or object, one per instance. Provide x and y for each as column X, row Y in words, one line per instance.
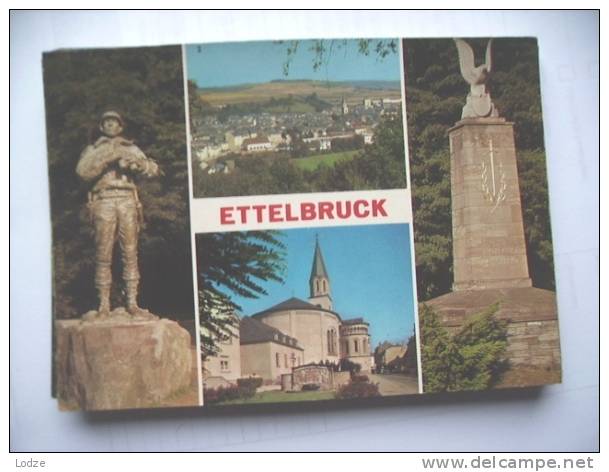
column 355, row 346
column 277, row 360
column 317, row 285
column 325, row 286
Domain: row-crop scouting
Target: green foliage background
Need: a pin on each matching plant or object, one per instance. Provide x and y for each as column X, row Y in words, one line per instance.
column 435, row 95
column 145, row 85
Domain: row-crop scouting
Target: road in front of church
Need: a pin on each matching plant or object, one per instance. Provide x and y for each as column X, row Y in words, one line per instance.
column 395, row 384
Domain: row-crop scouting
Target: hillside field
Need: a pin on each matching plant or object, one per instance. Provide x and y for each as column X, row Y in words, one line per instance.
column 332, row 92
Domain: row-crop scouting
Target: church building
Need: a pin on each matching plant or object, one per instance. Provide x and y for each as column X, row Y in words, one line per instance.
column 296, row 332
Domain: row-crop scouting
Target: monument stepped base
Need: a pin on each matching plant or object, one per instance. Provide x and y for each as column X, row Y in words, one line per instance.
column 533, row 338
column 117, row 364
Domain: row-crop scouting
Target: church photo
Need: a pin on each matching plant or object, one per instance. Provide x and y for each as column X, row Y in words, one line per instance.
column 307, row 314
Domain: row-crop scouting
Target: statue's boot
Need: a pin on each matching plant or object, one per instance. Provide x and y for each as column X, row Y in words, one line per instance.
column 132, row 306
column 104, row 302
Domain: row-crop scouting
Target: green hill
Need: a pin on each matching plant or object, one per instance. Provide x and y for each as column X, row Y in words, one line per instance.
column 331, row 92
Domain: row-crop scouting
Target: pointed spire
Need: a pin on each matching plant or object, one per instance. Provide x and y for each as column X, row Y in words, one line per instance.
column 319, row 267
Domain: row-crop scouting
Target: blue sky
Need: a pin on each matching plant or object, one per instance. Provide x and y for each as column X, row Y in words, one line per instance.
column 225, row 64
column 370, row 275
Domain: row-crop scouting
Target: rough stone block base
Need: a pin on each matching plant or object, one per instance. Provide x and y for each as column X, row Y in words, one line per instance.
column 116, row 364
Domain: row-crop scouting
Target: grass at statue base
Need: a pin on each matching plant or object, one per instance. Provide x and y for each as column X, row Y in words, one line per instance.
column 282, row 397
column 313, row 162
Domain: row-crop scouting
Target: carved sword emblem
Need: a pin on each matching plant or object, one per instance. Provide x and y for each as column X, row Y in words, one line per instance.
column 494, row 190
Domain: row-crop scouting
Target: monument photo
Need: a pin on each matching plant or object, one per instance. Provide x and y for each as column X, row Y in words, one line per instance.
column 483, row 244
column 123, row 308
column 307, row 314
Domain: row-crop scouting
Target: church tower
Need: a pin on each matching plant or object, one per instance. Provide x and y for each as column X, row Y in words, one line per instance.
column 319, row 282
column 345, row 107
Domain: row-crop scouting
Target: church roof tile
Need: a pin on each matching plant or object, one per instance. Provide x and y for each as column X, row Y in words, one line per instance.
column 293, row 304
column 252, row 331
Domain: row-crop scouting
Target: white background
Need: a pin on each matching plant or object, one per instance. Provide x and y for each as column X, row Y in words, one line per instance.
column 556, row 418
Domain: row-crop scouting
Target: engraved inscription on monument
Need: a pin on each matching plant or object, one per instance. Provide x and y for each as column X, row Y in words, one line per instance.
column 493, row 179
column 488, row 237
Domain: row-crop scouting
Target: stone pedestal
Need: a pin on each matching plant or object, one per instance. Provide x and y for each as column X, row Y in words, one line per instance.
column 488, row 238
column 117, row 364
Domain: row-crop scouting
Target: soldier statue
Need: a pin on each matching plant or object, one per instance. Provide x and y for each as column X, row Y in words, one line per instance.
column 111, row 164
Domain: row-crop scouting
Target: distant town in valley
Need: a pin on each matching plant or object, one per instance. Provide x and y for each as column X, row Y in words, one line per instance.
column 309, row 122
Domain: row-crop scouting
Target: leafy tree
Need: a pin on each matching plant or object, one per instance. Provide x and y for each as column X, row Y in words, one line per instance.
column 145, row 85
column 323, row 49
column 435, row 95
column 471, row 359
column 233, row 263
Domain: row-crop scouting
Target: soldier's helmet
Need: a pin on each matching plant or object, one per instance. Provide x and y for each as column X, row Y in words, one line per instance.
column 111, row 114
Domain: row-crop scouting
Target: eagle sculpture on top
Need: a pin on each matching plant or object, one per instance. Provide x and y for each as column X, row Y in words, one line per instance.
column 478, row 104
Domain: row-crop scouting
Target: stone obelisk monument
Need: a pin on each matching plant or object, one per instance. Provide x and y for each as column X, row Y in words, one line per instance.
column 489, row 252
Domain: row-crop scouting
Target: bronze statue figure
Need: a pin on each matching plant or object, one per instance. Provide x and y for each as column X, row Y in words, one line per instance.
column 111, row 164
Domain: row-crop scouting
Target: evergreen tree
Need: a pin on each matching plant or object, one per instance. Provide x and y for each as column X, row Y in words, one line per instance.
column 233, row 263
column 471, row 359
column 481, row 345
column 438, row 352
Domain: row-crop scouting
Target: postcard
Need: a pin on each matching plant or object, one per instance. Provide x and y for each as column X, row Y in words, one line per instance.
column 281, row 222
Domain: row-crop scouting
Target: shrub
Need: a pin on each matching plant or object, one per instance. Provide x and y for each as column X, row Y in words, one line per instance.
column 347, row 365
column 222, row 394
column 359, row 378
column 254, row 382
column 358, row 390
column 245, row 388
column 472, row 359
